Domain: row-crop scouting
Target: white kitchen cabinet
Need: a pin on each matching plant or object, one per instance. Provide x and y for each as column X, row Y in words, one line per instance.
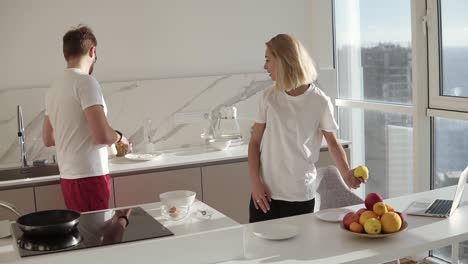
column 50, row 197
column 145, row 188
column 226, row 187
column 22, row 199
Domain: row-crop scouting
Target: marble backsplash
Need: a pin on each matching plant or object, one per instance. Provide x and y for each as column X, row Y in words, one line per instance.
column 131, row 104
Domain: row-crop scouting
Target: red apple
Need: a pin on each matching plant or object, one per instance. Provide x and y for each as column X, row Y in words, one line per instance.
column 401, row 216
column 371, row 199
column 350, row 218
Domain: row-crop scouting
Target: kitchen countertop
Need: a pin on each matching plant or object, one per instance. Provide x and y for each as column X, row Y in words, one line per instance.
column 170, row 160
column 316, row 242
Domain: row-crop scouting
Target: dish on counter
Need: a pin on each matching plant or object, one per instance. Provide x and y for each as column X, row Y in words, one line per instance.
column 332, row 215
column 142, row 156
column 403, row 227
column 275, row 231
column 219, row 143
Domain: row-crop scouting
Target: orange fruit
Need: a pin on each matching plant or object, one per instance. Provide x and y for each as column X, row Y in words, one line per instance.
column 391, row 222
column 366, row 215
column 356, row 227
column 389, row 208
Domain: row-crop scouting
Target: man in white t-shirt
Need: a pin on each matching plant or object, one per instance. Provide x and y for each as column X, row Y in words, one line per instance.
column 75, row 123
column 294, row 115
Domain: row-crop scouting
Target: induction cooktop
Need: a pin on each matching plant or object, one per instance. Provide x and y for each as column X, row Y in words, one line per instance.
column 94, row 230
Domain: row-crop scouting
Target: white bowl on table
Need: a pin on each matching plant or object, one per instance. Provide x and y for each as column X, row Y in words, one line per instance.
column 220, row 143
column 176, row 204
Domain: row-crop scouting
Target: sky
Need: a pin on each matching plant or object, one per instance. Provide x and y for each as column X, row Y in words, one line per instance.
column 390, row 21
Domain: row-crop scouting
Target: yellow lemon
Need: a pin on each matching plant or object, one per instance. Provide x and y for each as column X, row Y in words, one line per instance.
column 380, row 208
column 362, row 172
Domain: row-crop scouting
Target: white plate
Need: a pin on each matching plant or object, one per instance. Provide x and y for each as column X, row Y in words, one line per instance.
column 275, row 231
column 142, row 156
column 333, row 214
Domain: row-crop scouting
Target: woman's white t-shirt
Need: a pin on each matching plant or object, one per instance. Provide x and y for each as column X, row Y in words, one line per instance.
column 291, row 141
column 77, row 154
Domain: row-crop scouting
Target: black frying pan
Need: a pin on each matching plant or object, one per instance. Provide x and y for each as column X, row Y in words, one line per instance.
column 49, row 223
column 46, row 223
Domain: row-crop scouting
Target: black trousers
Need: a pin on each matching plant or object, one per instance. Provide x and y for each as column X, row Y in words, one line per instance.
column 280, row 209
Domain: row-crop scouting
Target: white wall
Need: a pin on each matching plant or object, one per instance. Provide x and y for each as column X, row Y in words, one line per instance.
column 149, row 40
column 145, row 39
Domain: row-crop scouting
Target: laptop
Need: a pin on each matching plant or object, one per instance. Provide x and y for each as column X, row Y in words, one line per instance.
column 438, row 207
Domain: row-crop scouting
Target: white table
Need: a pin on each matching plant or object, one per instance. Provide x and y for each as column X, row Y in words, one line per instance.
column 323, row 242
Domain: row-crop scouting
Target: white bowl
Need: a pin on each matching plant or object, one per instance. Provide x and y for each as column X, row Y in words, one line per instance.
column 176, row 204
column 220, row 144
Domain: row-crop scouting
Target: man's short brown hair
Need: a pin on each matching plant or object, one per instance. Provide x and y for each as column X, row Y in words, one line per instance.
column 78, row 41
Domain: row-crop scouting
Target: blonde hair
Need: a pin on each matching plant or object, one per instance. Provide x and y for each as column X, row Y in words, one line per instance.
column 294, row 66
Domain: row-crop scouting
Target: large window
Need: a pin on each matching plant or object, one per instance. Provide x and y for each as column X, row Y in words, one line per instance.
column 386, row 149
column 374, row 76
column 454, row 31
column 448, row 42
column 450, row 150
column 448, row 64
column 402, row 80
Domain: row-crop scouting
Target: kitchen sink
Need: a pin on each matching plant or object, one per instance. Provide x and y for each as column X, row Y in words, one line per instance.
column 18, row 173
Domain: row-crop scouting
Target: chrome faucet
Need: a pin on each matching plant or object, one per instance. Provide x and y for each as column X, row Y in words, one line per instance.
column 21, row 137
column 10, row 207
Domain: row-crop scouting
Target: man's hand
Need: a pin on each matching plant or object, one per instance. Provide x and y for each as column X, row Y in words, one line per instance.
column 126, row 144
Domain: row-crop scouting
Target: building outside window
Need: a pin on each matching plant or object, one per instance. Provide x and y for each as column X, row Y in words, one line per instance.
column 378, row 109
column 374, row 78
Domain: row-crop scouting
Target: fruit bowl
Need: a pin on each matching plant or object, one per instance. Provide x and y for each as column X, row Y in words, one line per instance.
column 404, row 226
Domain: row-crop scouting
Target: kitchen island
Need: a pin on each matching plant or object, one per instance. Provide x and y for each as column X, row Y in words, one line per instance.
column 316, row 242
column 325, row 242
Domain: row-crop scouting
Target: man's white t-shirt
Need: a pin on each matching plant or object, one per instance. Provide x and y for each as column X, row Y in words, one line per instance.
column 291, row 141
column 78, row 156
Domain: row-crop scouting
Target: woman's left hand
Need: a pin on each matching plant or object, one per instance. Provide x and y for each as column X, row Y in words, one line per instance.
column 351, row 181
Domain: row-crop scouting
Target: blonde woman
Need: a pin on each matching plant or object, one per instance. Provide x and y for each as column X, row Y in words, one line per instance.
column 293, row 117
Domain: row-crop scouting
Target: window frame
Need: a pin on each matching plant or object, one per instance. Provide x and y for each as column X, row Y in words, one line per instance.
column 418, row 108
column 434, row 31
column 428, row 102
